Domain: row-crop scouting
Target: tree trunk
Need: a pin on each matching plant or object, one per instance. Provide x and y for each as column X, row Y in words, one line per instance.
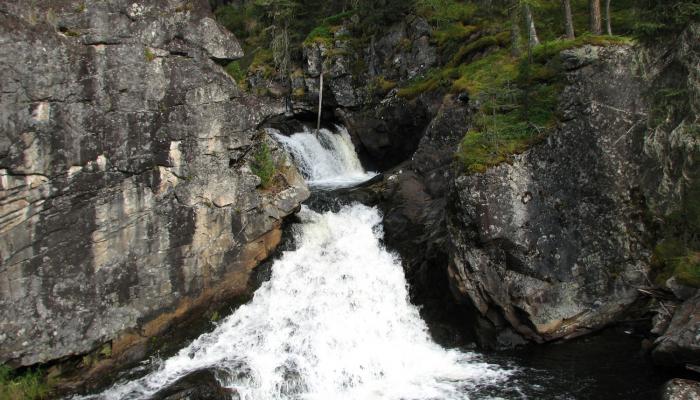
column 596, row 25
column 568, row 19
column 320, row 101
column 515, row 31
column 608, row 24
column 532, row 39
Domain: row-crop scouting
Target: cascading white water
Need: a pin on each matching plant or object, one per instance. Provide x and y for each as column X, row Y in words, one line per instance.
column 333, row 322
column 325, row 159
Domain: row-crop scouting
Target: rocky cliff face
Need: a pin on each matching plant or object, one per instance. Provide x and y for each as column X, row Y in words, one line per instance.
column 358, row 85
column 554, row 242
column 557, row 242
column 127, row 198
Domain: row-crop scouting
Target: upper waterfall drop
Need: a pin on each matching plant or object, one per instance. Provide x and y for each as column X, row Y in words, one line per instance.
column 326, row 159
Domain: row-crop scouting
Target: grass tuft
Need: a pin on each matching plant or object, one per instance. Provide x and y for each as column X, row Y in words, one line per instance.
column 30, row 385
column 264, row 166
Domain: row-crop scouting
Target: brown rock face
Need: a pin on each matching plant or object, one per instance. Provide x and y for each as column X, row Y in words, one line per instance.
column 127, row 200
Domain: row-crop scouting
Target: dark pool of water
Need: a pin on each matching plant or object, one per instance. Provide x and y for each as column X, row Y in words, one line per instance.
column 607, row 366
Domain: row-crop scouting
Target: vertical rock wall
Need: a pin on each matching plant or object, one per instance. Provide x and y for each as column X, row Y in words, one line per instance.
column 126, row 196
column 553, row 244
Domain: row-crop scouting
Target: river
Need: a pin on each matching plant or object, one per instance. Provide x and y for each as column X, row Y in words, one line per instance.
column 334, row 321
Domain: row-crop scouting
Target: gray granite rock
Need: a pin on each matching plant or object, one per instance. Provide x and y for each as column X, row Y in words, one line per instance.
column 553, row 242
column 127, row 199
column 681, row 389
column 680, row 343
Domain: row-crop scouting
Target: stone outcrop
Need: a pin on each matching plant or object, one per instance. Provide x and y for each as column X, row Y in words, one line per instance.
column 413, row 197
column 681, row 389
column 358, row 85
column 553, row 244
column 679, row 345
column 557, row 242
column 389, row 133
column 127, row 199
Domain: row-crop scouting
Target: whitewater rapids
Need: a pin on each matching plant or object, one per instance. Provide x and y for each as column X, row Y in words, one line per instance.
column 333, row 322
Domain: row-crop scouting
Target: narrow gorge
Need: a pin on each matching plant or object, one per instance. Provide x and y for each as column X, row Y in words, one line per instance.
column 484, row 199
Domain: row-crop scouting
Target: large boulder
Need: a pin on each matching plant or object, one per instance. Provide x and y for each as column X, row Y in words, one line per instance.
column 553, row 243
column 127, row 198
column 680, row 343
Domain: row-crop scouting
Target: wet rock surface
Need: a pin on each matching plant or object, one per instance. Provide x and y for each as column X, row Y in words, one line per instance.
column 679, row 345
column 200, row 385
column 413, row 199
column 390, row 132
column 681, row 389
column 128, row 200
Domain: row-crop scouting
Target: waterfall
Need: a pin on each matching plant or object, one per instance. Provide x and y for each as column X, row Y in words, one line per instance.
column 326, row 159
column 333, row 322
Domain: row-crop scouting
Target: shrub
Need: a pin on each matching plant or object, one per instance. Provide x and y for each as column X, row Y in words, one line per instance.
column 442, row 12
column 30, row 385
column 263, row 165
column 235, row 71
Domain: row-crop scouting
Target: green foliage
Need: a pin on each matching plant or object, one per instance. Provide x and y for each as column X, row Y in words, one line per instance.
column 239, row 20
column 687, row 270
column 660, row 17
column 148, row 54
column 672, row 257
column 262, row 62
column 337, row 19
column 278, row 12
column 478, row 45
column 434, row 80
column 456, row 32
column 486, row 74
column 29, row 385
column 320, row 34
column 106, row 350
column 385, row 84
column 481, row 150
column 442, row 12
column 235, row 71
column 263, row 165
column 547, row 50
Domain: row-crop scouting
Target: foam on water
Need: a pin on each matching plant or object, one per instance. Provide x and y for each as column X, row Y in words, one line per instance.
column 333, row 322
column 326, row 159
